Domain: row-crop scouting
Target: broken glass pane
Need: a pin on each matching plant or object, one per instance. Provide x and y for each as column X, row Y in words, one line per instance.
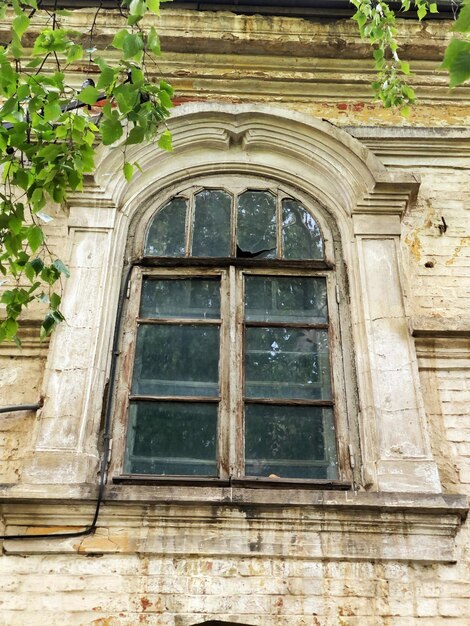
column 256, row 225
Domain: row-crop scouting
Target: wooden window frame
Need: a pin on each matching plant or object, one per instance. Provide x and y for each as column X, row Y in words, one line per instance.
column 230, row 432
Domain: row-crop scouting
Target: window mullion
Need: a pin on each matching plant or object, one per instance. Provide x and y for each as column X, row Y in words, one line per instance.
column 189, row 226
column 223, row 431
column 236, row 431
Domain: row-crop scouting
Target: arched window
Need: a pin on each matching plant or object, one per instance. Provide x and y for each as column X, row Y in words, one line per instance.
column 235, row 368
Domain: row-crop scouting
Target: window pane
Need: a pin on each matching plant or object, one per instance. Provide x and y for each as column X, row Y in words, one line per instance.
column 290, row 442
column 185, row 298
column 176, row 360
column 256, row 226
column 301, row 236
column 166, row 235
column 211, row 234
column 172, row 438
column 287, row 363
column 286, row 299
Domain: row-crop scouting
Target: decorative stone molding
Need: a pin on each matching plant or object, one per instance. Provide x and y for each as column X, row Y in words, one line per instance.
column 437, row 327
column 246, row 522
column 430, row 147
column 320, row 161
column 31, row 345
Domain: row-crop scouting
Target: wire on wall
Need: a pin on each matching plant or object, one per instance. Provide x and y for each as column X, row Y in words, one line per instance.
column 106, row 428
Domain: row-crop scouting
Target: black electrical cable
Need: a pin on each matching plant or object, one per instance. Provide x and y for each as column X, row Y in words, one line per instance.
column 106, row 429
column 14, row 408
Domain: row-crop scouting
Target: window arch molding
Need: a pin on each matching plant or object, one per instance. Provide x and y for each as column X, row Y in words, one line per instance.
column 366, row 202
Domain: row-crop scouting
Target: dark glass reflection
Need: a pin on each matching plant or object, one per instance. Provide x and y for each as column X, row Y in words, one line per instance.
column 286, row 299
column 180, row 297
column 289, row 442
column 176, row 360
column 301, row 236
column 287, row 363
column 166, row 235
column 211, row 232
column 172, row 438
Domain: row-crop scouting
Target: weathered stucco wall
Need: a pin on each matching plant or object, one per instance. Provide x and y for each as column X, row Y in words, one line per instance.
column 146, row 572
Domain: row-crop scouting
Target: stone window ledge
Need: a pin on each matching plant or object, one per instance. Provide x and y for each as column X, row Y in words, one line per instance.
column 238, row 521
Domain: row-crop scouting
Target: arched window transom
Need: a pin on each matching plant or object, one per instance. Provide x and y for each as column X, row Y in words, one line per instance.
column 256, row 224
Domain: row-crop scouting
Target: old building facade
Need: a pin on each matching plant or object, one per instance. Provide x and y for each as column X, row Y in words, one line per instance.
column 303, row 457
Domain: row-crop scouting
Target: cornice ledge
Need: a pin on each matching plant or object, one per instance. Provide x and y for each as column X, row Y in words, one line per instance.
column 245, row 522
column 421, row 142
column 31, row 344
column 393, row 194
column 433, row 327
column 91, row 196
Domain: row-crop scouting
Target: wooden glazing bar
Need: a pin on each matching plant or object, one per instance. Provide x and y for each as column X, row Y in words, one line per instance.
column 288, row 402
column 286, row 325
column 138, row 398
column 179, row 320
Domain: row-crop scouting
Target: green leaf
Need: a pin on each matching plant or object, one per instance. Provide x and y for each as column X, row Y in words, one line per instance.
column 119, row 37
column 21, row 179
column 37, row 264
column 74, row 53
column 29, row 272
column 47, row 326
column 37, row 199
column 35, row 237
column 128, row 171
column 462, row 25
column 15, row 224
column 154, row 6
column 132, row 45
column 52, row 111
column 378, row 54
column 89, row 95
column 111, row 130
column 422, row 11
column 136, row 135
column 457, row 61
column 11, row 328
column 165, row 99
column 405, row 67
column 106, row 77
column 20, row 24
column 55, row 300
column 60, row 267
column 164, row 141
column 136, row 11
column 7, row 297
column 126, row 96
column 8, row 107
column 433, row 7
column 153, row 41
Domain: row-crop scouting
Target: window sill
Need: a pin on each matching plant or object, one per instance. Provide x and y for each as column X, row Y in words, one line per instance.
column 237, row 522
column 249, row 483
